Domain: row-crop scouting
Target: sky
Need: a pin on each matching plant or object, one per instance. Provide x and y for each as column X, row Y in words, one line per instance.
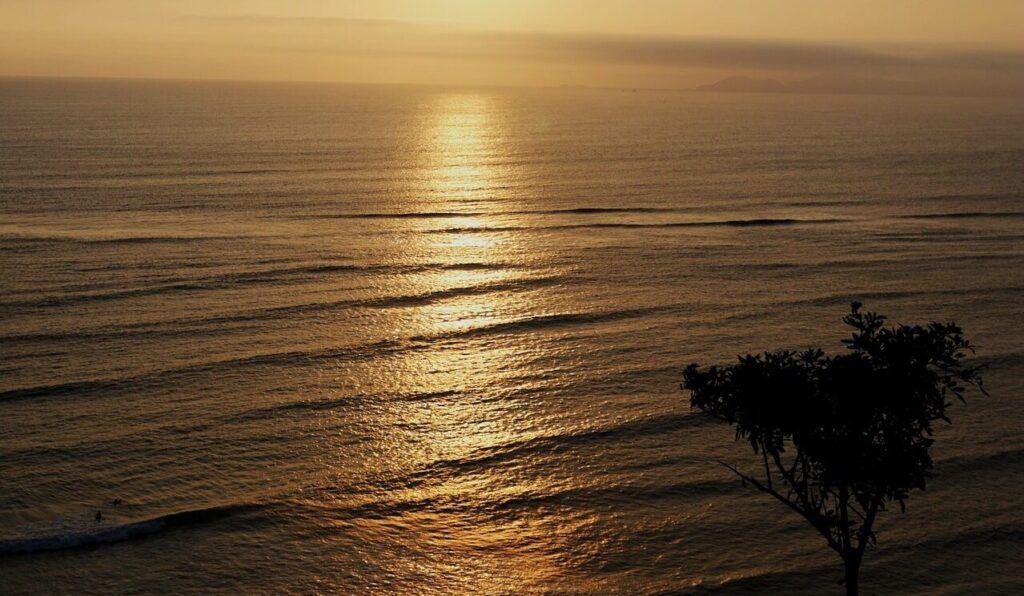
column 936, row 44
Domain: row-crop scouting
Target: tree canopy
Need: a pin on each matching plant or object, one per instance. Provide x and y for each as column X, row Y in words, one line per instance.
column 841, row 437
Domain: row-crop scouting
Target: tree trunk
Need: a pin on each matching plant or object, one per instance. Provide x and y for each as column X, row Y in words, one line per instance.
column 851, row 567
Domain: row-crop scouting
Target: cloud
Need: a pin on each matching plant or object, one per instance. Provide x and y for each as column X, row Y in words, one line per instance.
column 702, row 52
column 379, row 50
column 389, row 37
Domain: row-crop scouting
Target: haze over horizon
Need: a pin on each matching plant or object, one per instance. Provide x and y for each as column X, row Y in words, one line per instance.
column 929, row 47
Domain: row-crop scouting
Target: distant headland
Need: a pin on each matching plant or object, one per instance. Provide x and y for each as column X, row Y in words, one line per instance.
column 849, row 84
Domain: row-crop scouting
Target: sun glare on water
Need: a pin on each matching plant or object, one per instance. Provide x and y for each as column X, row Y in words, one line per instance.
column 471, row 233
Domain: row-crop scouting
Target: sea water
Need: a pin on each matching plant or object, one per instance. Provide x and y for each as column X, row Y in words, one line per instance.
column 327, row 338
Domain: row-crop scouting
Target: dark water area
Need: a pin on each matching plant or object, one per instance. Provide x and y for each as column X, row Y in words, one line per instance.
column 394, row 339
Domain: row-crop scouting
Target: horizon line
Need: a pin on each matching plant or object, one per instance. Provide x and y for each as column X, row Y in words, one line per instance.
column 699, row 89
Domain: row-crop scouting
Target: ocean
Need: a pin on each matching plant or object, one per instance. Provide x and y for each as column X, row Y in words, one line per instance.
column 386, row 339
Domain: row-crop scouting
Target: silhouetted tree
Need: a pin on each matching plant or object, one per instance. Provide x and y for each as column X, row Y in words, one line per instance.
column 841, row 437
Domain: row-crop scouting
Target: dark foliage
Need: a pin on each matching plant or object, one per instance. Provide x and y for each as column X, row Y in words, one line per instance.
column 841, row 437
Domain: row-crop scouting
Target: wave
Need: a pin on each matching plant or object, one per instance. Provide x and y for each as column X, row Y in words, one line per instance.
column 967, row 215
column 53, row 301
column 453, row 214
column 345, row 353
column 59, row 389
column 805, row 576
column 544, row 321
column 631, row 493
column 457, row 292
column 846, row 298
column 239, row 279
column 34, row 238
column 401, row 215
column 114, row 534
column 388, row 347
column 394, row 301
column 511, row 504
column 157, row 378
column 995, row 461
column 486, row 459
column 732, row 223
column 330, row 404
column 966, row 197
column 832, row 265
column 398, row 301
column 547, row 444
column 1003, row 534
column 598, row 210
column 651, row 210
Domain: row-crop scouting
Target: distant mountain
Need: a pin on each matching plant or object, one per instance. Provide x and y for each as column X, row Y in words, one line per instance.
column 857, row 85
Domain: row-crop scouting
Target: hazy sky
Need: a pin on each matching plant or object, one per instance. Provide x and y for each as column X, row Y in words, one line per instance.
column 650, row 43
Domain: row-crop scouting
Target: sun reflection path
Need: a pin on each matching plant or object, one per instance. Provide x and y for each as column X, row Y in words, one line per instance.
column 467, row 146
column 468, row 174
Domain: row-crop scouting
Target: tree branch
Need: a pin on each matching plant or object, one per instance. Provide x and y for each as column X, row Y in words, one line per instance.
column 814, row 520
column 865, row 529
